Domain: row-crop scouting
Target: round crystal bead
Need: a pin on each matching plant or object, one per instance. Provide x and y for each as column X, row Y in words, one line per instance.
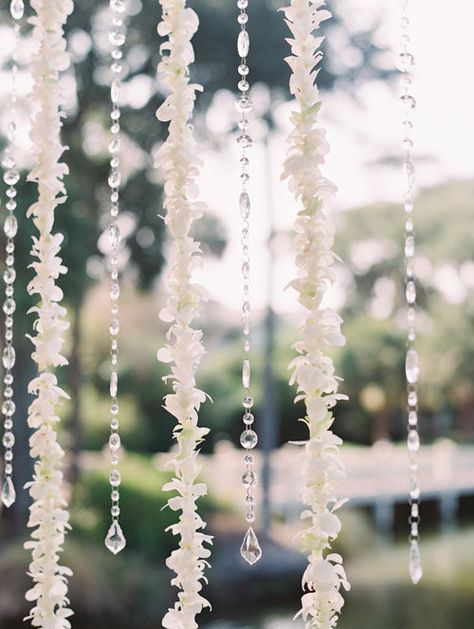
column 248, row 439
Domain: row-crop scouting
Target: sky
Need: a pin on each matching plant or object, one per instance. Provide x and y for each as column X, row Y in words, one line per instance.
column 360, row 134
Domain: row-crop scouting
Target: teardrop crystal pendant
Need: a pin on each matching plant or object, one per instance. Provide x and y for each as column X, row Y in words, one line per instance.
column 250, row 549
column 8, row 492
column 415, row 567
column 115, row 540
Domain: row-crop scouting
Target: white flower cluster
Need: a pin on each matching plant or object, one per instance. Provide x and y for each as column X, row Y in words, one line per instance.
column 312, row 369
column 178, row 161
column 48, row 514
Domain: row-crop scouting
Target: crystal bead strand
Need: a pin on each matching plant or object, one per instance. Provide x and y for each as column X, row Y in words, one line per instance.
column 115, row 540
column 11, row 178
column 412, row 368
column 250, row 549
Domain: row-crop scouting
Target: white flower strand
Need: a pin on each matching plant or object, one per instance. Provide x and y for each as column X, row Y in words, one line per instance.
column 406, row 61
column 115, row 539
column 312, row 369
column 48, row 514
column 11, row 177
column 177, row 158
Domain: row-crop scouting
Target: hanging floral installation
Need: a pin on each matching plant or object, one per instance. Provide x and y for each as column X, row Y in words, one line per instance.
column 48, row 513
column 313, row 370
column 179, row 164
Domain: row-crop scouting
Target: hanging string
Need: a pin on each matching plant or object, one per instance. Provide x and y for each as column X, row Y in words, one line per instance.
column 49, row 517
column 312, row 369
column 179, row 163
column 11, row 177
column 115, row 539
column 406, row 62
column 250, row 549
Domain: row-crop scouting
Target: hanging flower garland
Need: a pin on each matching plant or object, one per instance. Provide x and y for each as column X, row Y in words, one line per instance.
column 48, row 513
column 312, row 369
column 177, row 158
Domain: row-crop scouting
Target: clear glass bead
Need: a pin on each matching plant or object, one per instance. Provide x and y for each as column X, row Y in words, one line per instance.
column 412, row 366
column 8, row 439
column 8, row 378
column 242, row 4
column 243, row 86
column 115, row 496
column 243, row 44
column 11, row 177
column 9, row 306
column 114, row 424
column 405, row 61
column 244, row 104
column 248, row 419
column 117, row 37
column 409, row 246
column 8, row 456
column 8, row 424
column 115, row 478
column 114, row 235
column 413, row 418
column 8, row 357
column 249, row 479
column 246, row 373
column 244, row 204
column 248, row 458
column 242, row 18
column 415, row 567
column 117, row 5
column 248, row 439
column 408, row 101
column 8, row 408
column 11, row 205
column 115, row 511
column 10, row 226
column 410, row 292
column 247, row 402
column 245, row 141
column 17, row 9
column 243, row 69
column 413, row 441
column 412, row 398
column 8, row 162
column 115, row 90
column 114, row 178
column 114, row 327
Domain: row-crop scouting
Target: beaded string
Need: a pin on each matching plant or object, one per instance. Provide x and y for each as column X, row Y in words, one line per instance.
column 10, row 226
column 406, row 62
column 250, row 549
column 115, row 540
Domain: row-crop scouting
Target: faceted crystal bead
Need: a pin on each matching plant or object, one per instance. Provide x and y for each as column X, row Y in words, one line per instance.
column 250, row 549
column 115, row 540
column 242, row 4
column 244, row 104
column 9, row 306
column 114, row 179
column 117, row 5
column 114, row 235
column 8, row 408
column 405, row 61
column 17, row 9
column 242, row 18
column 243, row 44
column 8, row 162
column 10, row 226
column 249, row 479
column 8, row 357
column 11, row 177
column 114, row 327
column 410, row 292
column 244, row 204
column 245, row 141
column 243, row 86
column 8, row 440
column 250, row 516
column 115, row 478
column 413, row 441
column 412, row 366
column 246, row 373
column 115, row 291
column 115, row 511
column 113, row 384
column 247, row 402
column 248, row 419
column 408, row 101
column 9, row 276
column 115, row 90
column 8, row 492
column 413, row 418
column 415, row 567
column 243, row 69
column 117, row 37
column 248, row 439
column 114, row 441
column 409, row 246
column 412, row 398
